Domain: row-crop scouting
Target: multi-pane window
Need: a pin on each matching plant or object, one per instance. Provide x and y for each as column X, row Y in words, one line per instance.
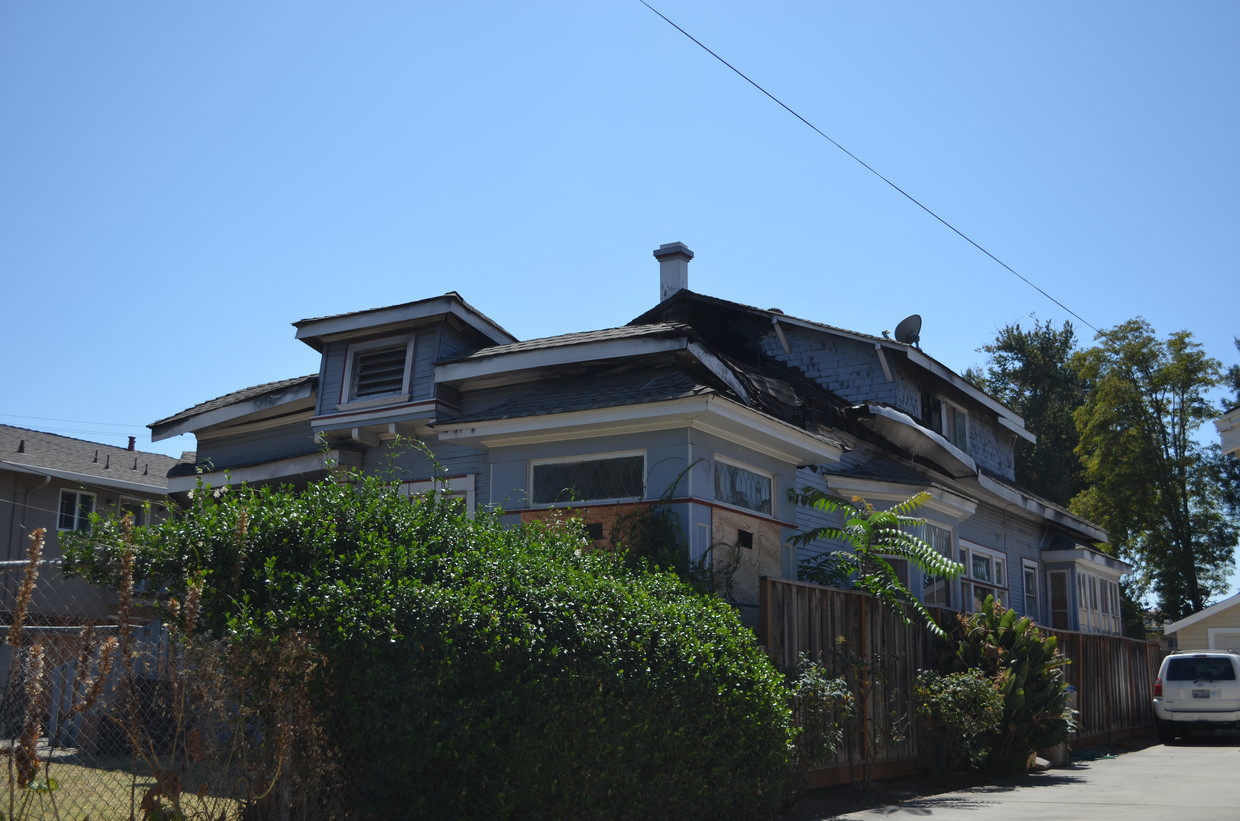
column 735, row 485
column 1029, row 572
column 1098, row 608
column 589, row 479
column 377, row 369
column 75, row 509
column 985, row 574
column 936, row 590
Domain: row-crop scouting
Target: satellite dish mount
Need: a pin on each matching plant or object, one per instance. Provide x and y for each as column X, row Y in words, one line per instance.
column 909, row 330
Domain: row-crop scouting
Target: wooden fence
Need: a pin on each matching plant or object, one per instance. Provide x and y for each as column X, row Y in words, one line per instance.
column 868, row 644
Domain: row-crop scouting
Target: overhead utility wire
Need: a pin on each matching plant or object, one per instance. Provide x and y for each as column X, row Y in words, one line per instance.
column 867, row 167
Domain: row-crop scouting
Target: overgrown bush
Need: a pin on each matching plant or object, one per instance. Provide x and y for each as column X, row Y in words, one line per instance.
column 475, row 671
column 822, row 705
column 956, row 714
column 1027, row 670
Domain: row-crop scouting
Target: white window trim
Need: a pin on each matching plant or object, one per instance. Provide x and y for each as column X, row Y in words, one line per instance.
column 462, row 486
column 953, row 585
column 967, row 551
column 945, row 417
column 1025, row 566
column 94, row 506
column 757, row 472
column 592, row 457
column 346, row 387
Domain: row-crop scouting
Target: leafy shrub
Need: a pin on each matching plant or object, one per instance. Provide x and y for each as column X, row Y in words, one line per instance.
column 822, row 704
column 475, row 671
column 957, row 713
column 1027, row 669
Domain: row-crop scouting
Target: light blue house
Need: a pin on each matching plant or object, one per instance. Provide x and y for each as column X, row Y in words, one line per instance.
column 713, row 408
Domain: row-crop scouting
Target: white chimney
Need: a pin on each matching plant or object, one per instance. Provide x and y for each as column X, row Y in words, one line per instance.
column 673, row 268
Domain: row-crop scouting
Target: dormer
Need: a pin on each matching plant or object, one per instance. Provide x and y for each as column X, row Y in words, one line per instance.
column 377, row 371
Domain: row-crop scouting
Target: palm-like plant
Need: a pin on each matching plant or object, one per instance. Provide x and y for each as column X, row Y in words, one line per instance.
column 874, row 538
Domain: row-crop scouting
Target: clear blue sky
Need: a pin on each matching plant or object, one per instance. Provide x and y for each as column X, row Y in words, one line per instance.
column 180, row 181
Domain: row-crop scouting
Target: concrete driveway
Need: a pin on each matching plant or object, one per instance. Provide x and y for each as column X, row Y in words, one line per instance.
column 1196, row 780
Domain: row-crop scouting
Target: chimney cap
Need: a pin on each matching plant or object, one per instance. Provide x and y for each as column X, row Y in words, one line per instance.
column 672, row 249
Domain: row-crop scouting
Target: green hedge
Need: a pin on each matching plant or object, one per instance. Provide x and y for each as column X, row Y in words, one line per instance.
column 476, row 671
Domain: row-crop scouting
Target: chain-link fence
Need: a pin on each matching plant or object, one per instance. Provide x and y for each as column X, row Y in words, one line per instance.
column 132, row 714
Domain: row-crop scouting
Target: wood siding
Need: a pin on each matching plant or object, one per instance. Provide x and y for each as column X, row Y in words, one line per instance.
column 848, row 631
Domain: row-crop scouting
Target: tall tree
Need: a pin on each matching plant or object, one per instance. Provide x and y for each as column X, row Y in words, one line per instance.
column 1031, row 372
column 1156, row 490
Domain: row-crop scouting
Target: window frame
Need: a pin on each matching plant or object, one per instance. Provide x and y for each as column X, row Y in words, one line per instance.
column 356, row 350
column 456, row 487
column 998, row 564
column 760, row 474
column 1031, row 592
column 592, row 457
column 950, row 587
column 81, row 521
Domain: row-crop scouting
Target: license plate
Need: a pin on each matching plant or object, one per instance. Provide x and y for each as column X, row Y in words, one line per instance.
column 1201, row 693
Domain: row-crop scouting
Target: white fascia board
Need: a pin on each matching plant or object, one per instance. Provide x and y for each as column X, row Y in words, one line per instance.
column 965, row 386
column 1037, row 508
column 366, row 322
column 1212, row 610
column 1087, row 558
column 952, row 505
column 238, row 410
column 1020, row 430
column 709, row 413
column 515, row 361
column 269, row 471
column 86, row 479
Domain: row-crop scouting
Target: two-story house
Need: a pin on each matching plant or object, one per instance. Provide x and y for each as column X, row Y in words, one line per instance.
column 711, row 408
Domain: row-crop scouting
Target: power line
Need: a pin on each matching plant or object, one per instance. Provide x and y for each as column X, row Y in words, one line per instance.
column 867, row 167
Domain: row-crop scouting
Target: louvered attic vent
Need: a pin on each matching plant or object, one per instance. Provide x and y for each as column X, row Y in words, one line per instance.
column 379, row 373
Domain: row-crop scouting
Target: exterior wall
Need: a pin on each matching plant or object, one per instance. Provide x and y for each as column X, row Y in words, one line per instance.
column 1018, row 540
column 256, row 447
column 991, row 446
column 57, row 600
column 846, row 366
column 426, row 350
column 406, row 462
column 1219, row 632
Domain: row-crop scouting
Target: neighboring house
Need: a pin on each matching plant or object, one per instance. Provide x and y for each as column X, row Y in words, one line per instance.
column 714, row 408
column 1217, row 627
column 1229, row 431
column 55, row 482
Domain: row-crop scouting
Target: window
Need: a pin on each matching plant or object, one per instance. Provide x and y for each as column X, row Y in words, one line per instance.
column 1058, row 580
column 937, row 591
column 1029, row 572
column 589, row 479
column 738, row 486
column 378, row 370
column 985, row 573
column 950, row 420
column 75, row 509
column 137, row 509
column 454, row 487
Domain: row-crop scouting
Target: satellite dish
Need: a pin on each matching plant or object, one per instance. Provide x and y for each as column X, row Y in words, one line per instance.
column 909, row 330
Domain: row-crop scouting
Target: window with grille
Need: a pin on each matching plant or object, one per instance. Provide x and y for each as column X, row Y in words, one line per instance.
column 75, row 509
column 985, row 573
column 378, row 369
column 735, row 485
column 589, row 479
column 936, row 591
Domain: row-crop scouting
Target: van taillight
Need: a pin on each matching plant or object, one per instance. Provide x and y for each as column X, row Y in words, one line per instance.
column 1157, row 688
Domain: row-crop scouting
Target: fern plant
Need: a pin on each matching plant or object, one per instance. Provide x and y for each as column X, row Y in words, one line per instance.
column 874, row 538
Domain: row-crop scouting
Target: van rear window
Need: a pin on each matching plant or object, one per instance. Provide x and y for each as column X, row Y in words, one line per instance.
column 1190, row 669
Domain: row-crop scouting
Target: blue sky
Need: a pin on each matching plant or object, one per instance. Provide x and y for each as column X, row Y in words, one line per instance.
column 180, row 181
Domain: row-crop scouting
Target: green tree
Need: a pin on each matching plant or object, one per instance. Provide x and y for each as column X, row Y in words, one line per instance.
column 1156, row 490
column 1031, row 372
column 875, row 538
